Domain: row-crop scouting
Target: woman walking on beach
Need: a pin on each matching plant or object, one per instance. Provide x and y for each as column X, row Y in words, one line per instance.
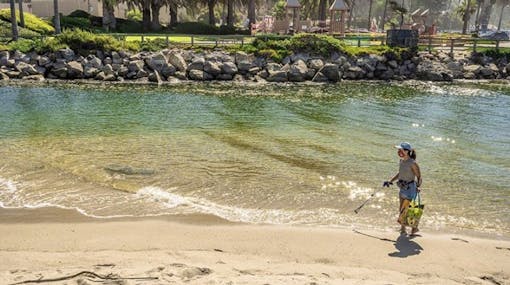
column 409, row 181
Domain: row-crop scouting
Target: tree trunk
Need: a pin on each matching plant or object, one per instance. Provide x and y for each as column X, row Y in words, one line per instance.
column 56, row 14
column 351, row 13
column 501, row 15
column 230, row 13
column 466, row 17
column 383, row 20
column 251, row 13
column 146, row 15
column 109, row 21
column 155, row 7
column 486, row 15
column 370, row 15
column 14, row 23
column 323, row 12
column 477, row 18
column 173, row 14
column 21, row 16
column 212, row 18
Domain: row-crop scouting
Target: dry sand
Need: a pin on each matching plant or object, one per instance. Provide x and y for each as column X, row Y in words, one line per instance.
column 50, row 244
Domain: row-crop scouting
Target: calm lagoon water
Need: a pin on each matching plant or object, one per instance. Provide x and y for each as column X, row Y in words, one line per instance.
column 282, row 154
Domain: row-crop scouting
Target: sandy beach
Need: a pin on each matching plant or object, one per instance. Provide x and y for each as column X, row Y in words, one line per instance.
column 54, row 244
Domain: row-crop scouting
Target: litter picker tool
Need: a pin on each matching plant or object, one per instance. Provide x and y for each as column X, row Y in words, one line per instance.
column 373, row 194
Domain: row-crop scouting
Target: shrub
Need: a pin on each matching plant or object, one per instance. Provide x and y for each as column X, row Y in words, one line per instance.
column 32, row 22
column 134, row 15
column 68, row 22
column 49, row 45
column 154, row 45
column 318, row 44
column 5, row 31
column 79, row 14
column 196, row 28
column 83, row 42
column 129, row 26
column 23, row 45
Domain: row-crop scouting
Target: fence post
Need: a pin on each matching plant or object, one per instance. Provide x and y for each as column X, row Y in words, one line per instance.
column 143, row 38
column 359, row 42
column 474, row 45
column 497, row 45
column 430, row 44
column 192, row 40
column 167, row 41
column 242, row 41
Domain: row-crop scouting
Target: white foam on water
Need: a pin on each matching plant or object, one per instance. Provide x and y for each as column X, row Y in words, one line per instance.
column 157, row 194
column 358, row 192
column 8, row 185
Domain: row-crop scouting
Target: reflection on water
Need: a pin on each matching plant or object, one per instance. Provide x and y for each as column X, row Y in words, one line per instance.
column 295, row 154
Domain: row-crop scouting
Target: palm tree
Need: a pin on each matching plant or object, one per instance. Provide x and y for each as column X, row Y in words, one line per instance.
column 504, row 3
column 21, row 16
column 56, row 17
column 479, row 4
column 486, row 15
column 14, row 24
column 370, row 14
column 109, row 21
column 230, row 13
column 251, row 13
column 467, row 11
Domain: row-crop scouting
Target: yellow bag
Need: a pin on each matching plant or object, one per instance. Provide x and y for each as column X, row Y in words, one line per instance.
column 414, row 212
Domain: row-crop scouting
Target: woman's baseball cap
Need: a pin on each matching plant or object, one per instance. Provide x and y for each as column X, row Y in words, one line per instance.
column 404, row 146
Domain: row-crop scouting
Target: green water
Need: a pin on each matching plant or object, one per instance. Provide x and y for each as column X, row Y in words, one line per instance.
column 285, row 154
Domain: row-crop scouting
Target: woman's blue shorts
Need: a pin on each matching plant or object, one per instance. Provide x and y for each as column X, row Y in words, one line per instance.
column 408, row 191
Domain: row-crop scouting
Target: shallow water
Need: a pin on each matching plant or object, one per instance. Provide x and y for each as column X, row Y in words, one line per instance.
column 284, row 154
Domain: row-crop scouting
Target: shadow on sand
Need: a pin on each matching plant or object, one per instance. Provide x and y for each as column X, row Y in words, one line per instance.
column 405, row 247
column 404, row 244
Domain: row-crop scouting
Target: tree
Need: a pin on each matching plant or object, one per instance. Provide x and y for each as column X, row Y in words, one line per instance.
column 14, row 23
column 400, row 9
column 155, row 8
column 503, row 3
column 109, row 21
column 251, row 13
column 486, row 15
column 21, row 16
column 370, row 14
column 56, row 18
column 230, row 13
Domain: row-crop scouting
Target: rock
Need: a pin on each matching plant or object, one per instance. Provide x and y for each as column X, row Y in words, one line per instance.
column 200, row 75
column 244, row 66
column 108, row 60
column 298, row 71
column 4, row 54
column 59, row 71
column 354, row 72
column 474, row 68
column 225, row 76
column 168, row 70
column 229, row 68
column 74, row 70
column 433, row 71
column 177, row 60
column 277, row 76
column 254, row 70
column 43, row 61
column 90, row 72
column 316, row 64
column 116, row 58
column 157, row 62
column 13, row 74
column 136, row 65
column 272, row 66
column 197, row 64
column 212, row 67
column 107, row 69
column 155, row 77
column 37, row 77
column 181, row 75
column 320, row 77
column 123, row 71
column 110, row 77
column 393, row 64
column 93, row 61
column 242, row 57
column 331, row 71
column 100, row 76
column 3, row 76
column 26, row 69
column 469, row 75
column 66, row 53
column 507, row 68
column 141, row 74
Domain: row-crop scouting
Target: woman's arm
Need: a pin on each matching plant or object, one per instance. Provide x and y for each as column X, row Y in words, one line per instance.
column 416, row 170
